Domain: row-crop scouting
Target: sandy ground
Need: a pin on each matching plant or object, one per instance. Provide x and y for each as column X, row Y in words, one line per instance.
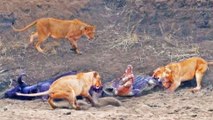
column 181, row 105
column 169, row 32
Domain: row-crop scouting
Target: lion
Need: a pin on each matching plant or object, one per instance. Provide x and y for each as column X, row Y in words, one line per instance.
column 56, row 28
column 70, row 86
column 173, row 74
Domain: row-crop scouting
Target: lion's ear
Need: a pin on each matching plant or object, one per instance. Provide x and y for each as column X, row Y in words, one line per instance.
column 95, row 74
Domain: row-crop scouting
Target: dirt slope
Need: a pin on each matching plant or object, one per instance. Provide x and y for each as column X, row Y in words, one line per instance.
column 144, row 33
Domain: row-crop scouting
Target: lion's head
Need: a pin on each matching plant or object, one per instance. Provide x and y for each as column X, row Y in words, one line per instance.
column 164, row 75
column 97, row 80
column 89, row 32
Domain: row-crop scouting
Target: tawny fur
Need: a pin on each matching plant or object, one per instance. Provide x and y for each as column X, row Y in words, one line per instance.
column 173, row 74
column 70, row 29
column 68, row 87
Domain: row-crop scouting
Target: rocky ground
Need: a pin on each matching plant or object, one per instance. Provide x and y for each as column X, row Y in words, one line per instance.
column 144, row 33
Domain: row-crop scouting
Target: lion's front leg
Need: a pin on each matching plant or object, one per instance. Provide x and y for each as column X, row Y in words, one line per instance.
column 174, row 85
column 89, row 98
column 73, row 43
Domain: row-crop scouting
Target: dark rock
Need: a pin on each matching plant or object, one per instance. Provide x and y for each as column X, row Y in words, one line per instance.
column 115, row 4
column 67, row 113
column 5, row 109
column 161, row 6
column 6, row 19
column 193, row 115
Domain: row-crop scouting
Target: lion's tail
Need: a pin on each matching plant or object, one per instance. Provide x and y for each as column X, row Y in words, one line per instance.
column 210, row 63
column 23, row 29
column 33, row 94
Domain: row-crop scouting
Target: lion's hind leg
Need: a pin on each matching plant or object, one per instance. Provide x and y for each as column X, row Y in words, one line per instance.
column 71, row 98
column 42, row 36
column 56, row 95
column 199, row 76
column 50, row 101
column 38, row 44
column 33, row 35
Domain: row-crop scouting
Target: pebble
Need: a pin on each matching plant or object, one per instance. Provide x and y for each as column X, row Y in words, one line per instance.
column 67, row 113
column 5, row 109
column 193, row 115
